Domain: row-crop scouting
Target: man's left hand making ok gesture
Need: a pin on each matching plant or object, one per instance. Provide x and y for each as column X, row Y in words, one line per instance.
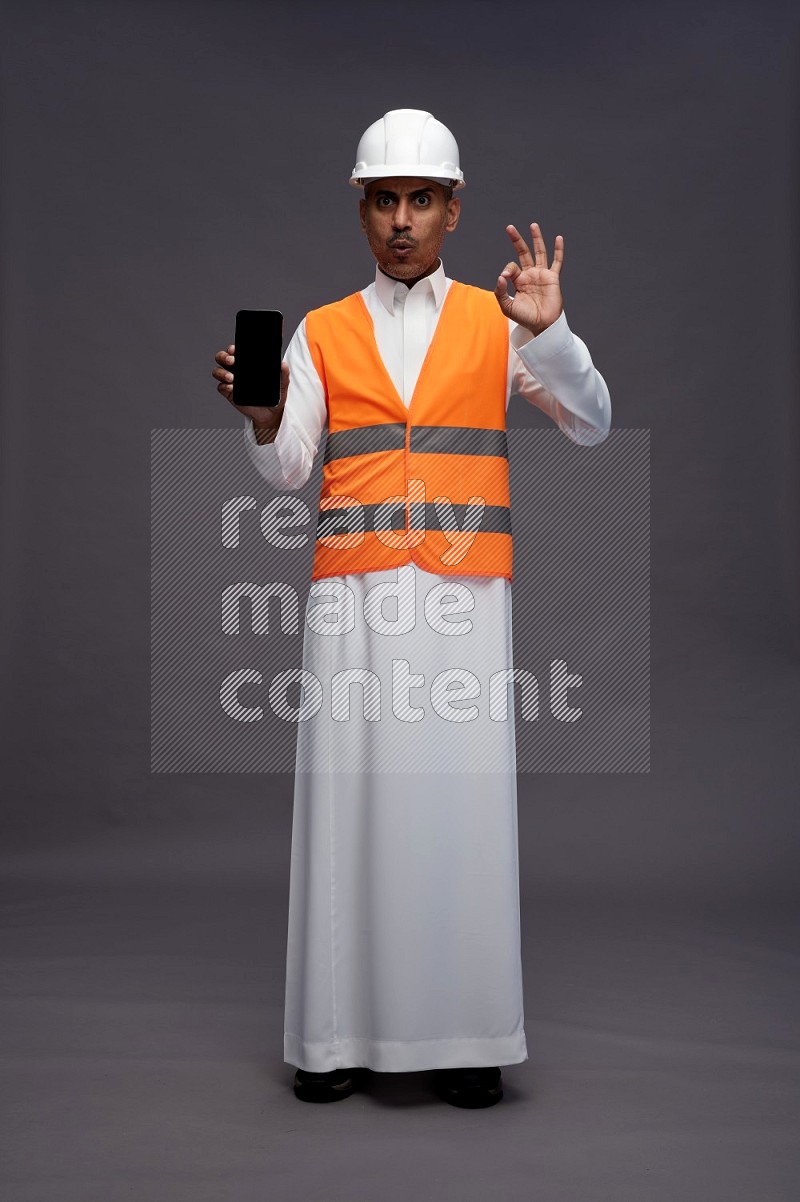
column 537, row 301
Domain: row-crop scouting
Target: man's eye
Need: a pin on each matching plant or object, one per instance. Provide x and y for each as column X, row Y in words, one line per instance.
column 423, row 200
column 384, row 202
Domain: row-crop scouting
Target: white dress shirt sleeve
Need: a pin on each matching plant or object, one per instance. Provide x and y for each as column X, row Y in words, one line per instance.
column 287, row 462
column 554, row 371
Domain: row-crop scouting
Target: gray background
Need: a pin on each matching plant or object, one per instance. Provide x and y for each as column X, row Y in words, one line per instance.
column 167, row 163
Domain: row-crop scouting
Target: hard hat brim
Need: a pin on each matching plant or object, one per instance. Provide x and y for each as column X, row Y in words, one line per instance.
column 419, row 170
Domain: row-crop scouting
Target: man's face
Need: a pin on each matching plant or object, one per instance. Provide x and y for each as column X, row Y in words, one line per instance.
column 405, row 220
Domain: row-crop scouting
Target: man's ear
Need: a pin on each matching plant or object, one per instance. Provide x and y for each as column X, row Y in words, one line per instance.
column 453, row 214
column 362, row 208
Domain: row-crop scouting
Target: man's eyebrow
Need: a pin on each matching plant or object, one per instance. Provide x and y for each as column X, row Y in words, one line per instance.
column 394, row 195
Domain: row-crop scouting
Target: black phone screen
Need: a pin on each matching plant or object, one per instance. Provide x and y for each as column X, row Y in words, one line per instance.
column 257, row 358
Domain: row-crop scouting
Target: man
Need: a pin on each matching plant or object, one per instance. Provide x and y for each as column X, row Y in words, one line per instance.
column 404, row 939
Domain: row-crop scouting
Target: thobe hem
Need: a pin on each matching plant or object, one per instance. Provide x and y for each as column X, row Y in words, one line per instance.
column 404, row 1056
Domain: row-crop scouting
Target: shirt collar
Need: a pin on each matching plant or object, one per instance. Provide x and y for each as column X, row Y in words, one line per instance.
column 387, row 288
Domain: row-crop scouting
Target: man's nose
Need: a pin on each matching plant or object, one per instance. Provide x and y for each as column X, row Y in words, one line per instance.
column 402, row 215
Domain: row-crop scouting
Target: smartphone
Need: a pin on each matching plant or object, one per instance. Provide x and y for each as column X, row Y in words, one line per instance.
column 257, row 358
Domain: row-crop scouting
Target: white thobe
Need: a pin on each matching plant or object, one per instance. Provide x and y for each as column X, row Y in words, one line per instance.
column 404, row 948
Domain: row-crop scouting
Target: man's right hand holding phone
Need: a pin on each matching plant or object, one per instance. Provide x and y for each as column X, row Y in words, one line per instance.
column 266, row 419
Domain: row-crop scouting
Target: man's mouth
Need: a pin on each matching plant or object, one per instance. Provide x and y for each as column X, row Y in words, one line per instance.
column 402, row 244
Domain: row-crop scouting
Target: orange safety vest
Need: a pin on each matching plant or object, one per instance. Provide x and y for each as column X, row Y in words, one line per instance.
column 427, row 482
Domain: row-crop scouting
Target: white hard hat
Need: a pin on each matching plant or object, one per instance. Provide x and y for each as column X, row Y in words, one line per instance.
column 407, row 142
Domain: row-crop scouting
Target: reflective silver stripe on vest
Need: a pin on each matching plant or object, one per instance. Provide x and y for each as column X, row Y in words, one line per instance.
column 365, row 440
column 428, row 440
column 458, row 440
column 493, row 519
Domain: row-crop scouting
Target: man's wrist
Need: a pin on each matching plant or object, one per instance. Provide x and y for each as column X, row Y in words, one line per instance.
column 265, row 434
column 540, row 328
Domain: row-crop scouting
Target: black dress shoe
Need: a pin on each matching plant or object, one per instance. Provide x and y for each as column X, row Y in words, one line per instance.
column 470, row 1087
column 323, row 1087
